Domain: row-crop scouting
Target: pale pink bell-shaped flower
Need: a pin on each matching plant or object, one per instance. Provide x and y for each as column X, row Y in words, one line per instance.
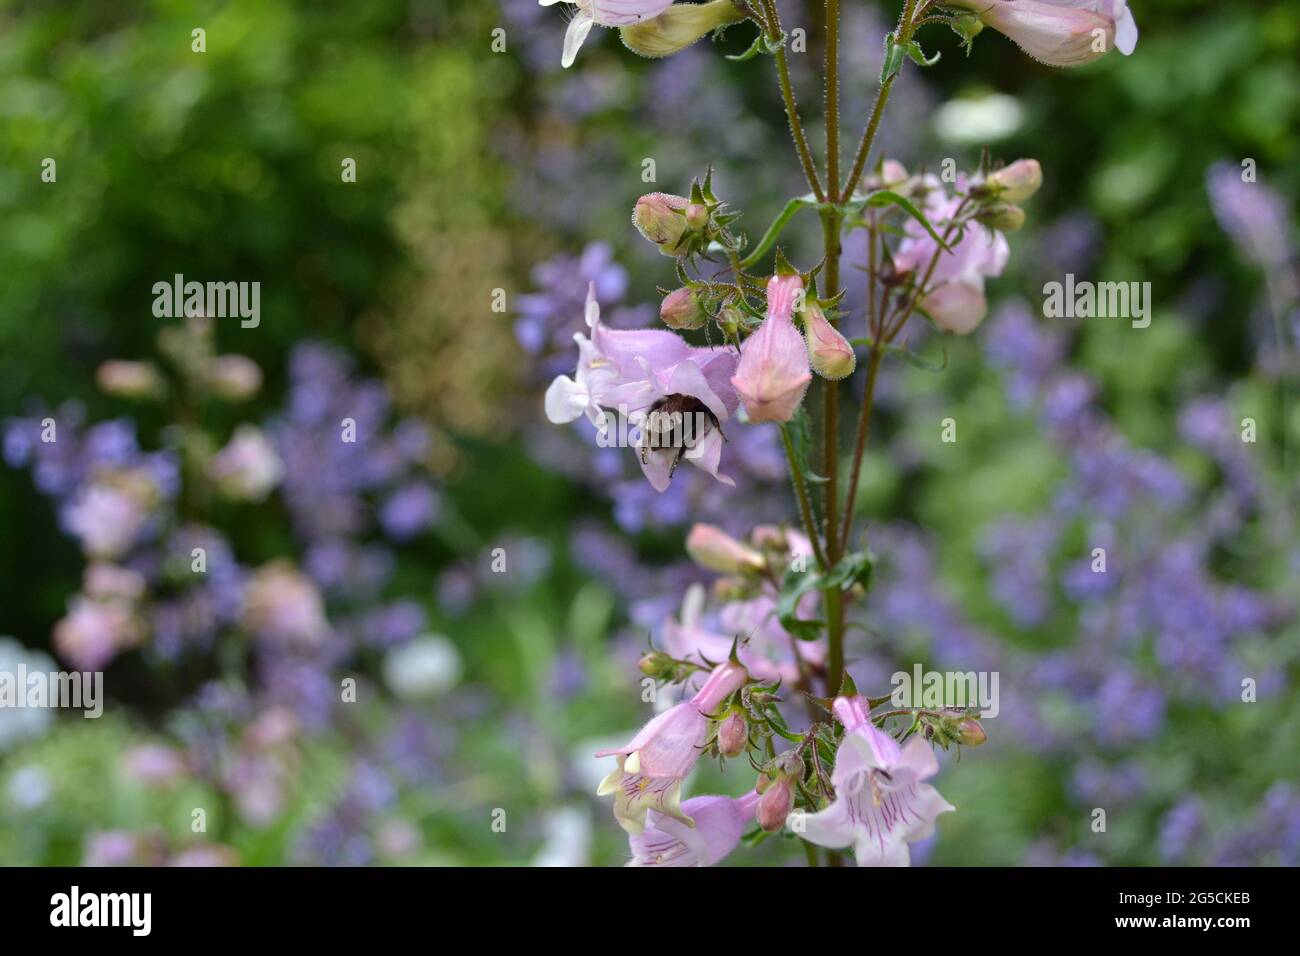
column 608, row 13
column 881, row 802
column 958, row 306
column 954, row 297
column 774, row 369
column 653, row 765
column 766, row 648
column 719, row 823
column 1060, row 32
column 678, row 396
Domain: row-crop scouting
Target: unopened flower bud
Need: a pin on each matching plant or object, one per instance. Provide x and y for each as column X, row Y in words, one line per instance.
column 967, row 25
column 733, row 735
column 775, row 804
column 713, row 548
column 660, row 217
column 681, row 309
column 679, row 26
column 892, row 174
column 774, row 371
column 969, row 732
column 657, row 664
column 1002, row 216
column 829, row 352
column 1017, row 182
column 697, row 217
column 235, row 378
column 129, row 379
column 731, row 320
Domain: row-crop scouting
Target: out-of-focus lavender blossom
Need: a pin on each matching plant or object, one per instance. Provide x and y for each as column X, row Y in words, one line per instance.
column 1181, row 829
column 1252, row 214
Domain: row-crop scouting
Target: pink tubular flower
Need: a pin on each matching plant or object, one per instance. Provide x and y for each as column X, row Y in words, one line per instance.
column 1060, row 32
column 713, row 548
column 767, row 650
column 652, row 767
column 608, row 13
column 677, row 395
column 881, row 803
column 954, row 297
column 719, row 823
column 774, row 370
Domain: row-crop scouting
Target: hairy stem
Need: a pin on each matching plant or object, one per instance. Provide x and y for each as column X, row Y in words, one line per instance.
column 832, row 99
column 860, row 444
column 801, row 495
column 791, row 106
column 905, row 28
column 832, row 224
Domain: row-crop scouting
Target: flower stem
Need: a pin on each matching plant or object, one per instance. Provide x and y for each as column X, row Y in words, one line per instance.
column 905, row 28
column 832, row 224
column 860, row 445
column 792, row 107
column 801, row 495
column 832, row 99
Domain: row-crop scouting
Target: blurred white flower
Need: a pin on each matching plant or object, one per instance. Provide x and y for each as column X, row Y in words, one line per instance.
column 568, row 838
column 423, row 668
column 23, row 723
column 979, row 119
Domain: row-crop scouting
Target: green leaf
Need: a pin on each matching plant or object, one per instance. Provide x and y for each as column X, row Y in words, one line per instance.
column 887, row 197
column 774, row 230
column 851, row 569
column 794, row 586
column 894, row 55
column 918, row 56
column 911, row 358
column 758, row 46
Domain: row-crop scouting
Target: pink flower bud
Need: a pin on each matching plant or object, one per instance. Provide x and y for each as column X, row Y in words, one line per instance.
column 830, row 353
column 660, row 217
column 733, row 736
column 713, row 548
column 697, row 216
column 1017, row 182
column 774, row 370
column 129, row 379
column 681, row 309
column 892, row 174
column 1059, row 32
column 957, row 306
column 969, row 732
column 235, row 378
column 775, row 804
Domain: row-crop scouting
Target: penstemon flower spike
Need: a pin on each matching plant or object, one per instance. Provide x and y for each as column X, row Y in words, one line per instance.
column 777, row 613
